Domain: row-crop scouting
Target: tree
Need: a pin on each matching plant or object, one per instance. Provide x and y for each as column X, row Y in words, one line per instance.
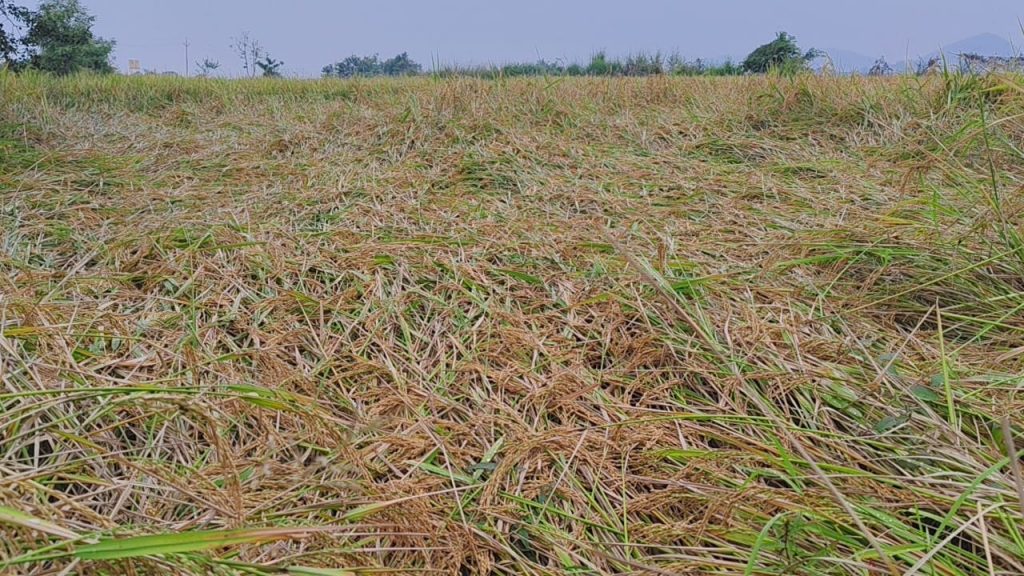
column 601, row 65
column 249, row 51
column 643, row 65
column 206, row 67
column 783, row 53
column 60, row 39
column 269, row 67
column 366, row 66
column 255, row 59
column 401, row 65
column 355, row 66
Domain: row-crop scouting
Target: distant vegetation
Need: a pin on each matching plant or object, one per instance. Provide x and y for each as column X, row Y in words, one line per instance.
column 57, row 38
column 206, row 67
column 368, row 66
column 881, row 67
column 600, row 64
column 256, row 61
column 783, row 54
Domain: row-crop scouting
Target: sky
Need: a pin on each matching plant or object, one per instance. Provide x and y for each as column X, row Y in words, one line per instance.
column 307, row 34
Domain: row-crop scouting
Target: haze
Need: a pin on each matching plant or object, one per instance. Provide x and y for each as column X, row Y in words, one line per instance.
column 308, row 34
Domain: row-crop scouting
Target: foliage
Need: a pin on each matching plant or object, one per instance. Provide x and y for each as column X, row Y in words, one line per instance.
column 59, row 39
column 515, row 69
column 781, row 54
column 269, row 68
column 354, row 66
column 255, row 59
column 880, row 68
column 641, row 64
column 678, row 66
column 539, row 68
column 206, row 67
column 12, row 21
column 600, row 64
column 401, row 65
column 368, row 66
column 727, row 68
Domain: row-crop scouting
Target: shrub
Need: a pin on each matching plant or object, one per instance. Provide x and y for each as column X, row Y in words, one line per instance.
column 401, row 65
column 643, row 65
column 782, row 54
column 600, row 65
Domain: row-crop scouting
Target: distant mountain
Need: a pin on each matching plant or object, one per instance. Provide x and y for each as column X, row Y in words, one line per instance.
column 851, row 62
column 983, row 44
column 848, row 62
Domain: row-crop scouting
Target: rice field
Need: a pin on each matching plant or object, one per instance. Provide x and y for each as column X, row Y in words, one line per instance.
column 725, row 326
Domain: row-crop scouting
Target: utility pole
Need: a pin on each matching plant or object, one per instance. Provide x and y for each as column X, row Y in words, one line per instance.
column 186, row 57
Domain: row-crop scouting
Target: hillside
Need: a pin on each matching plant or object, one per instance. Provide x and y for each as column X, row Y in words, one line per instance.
column 983, row 44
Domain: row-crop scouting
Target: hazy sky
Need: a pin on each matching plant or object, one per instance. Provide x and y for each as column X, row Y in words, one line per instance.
column 307, row 34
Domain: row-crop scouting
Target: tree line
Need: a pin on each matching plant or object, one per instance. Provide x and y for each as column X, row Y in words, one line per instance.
column 57, row 37
column 783, row 54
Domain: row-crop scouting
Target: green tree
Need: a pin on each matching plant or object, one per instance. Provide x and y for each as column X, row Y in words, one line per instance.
column 601, row 65
column 366, row 66
column 60, row 39
column 354, row 66
column 401, row 65
column 783, row 54
column 269, row 68
column 206, row 67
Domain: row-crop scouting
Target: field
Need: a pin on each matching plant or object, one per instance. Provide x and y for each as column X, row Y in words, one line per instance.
column 744, row 326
